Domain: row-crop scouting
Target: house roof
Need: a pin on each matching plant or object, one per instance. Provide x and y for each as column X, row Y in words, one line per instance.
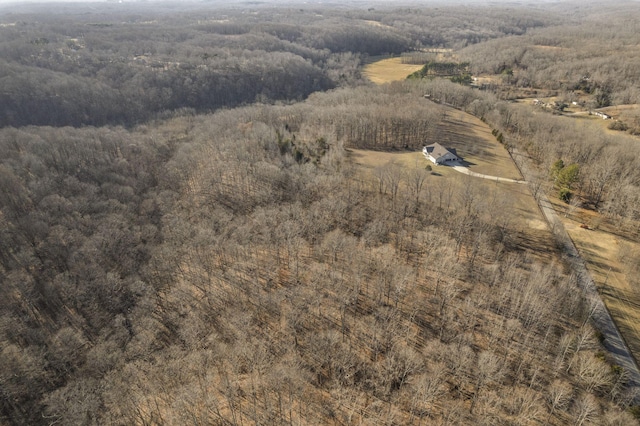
column 436, row 150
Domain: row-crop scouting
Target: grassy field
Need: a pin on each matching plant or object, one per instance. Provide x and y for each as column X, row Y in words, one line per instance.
column 388, row 70
column 476, row 144
column 468, row 135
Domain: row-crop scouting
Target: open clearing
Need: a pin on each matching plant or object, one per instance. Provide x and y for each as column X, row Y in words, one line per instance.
column 468, row 135
column 483, row 154
column 474, row 142
column 388, row 70
column 479, row 148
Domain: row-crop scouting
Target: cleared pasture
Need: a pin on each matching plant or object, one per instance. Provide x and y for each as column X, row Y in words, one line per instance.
column 388, row 70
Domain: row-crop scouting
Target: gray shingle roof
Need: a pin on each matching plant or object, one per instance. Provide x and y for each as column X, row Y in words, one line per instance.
column 436, row 150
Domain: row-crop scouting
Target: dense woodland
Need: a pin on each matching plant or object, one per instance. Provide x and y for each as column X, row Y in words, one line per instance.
column 594, row 51
column 185, row 239
column 124, row 66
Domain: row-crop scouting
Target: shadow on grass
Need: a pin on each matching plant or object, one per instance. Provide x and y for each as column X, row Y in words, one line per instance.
column 463, row 163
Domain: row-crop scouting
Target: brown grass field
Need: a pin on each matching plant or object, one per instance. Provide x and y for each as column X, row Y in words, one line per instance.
column 474, row 142
column 388, row 70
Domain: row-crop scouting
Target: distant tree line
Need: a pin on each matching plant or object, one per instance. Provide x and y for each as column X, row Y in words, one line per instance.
column 105, row 67
column 587, row 53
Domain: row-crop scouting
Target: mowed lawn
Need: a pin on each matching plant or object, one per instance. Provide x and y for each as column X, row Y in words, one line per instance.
column 475, row 143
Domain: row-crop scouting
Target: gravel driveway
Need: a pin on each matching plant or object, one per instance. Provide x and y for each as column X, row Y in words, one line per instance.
column 462, row 169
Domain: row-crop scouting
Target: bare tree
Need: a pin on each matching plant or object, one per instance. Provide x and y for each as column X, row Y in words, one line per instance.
column 585, row 409
column 416, row 178
column 488, row 369
column 429, row 388
column 593, row 373
column 393, row 176
column 559, row 396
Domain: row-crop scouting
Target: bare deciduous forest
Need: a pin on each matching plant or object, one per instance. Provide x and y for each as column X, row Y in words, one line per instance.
column 184, row 237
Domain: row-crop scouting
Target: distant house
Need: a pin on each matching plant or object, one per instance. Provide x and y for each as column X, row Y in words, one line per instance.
column 438, row 154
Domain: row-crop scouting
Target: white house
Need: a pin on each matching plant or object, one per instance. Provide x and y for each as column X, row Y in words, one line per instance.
column 438, row 154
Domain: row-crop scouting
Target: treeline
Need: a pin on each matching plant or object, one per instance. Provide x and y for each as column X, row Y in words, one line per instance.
column 388, row 118
column 454, row 26
column 90, row 81
column 454, row 71
column 236, row 268
column 608, row 179
column 45, row 97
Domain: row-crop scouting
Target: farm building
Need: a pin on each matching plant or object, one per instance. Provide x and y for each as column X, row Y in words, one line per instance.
column 438, row 154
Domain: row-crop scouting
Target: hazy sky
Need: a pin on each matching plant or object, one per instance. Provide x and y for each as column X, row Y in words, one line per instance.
column 389, row 2
column 49, row 1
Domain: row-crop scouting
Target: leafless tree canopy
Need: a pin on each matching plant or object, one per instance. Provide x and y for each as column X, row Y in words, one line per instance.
column 200, row 248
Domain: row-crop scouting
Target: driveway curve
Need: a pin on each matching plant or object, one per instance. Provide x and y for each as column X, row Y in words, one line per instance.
column 462, row 169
